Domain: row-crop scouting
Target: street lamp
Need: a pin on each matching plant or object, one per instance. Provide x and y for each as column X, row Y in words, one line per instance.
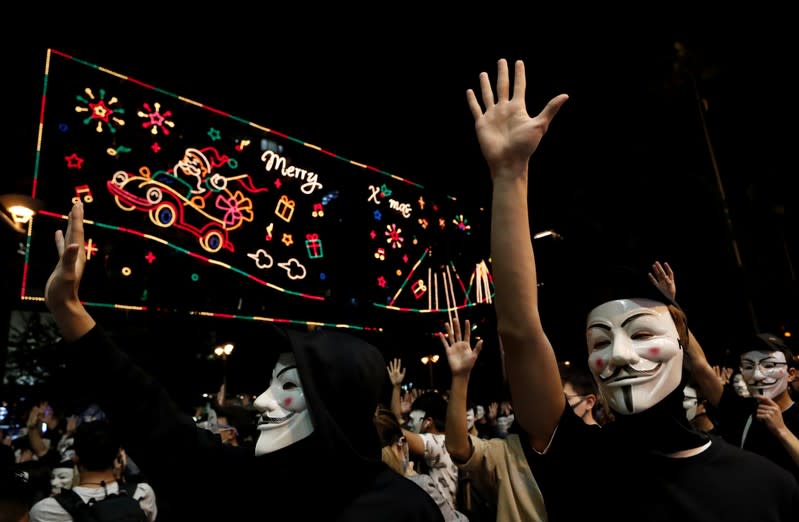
column 429, row 361
column 222, row 351
column 547, row 233
column 17, row 210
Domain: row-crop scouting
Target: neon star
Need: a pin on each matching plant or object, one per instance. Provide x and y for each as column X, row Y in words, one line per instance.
column 74, row 161
column 462, row 223
column 378, row 215
column 156, row 120
column 156, row 147
column 100, row 111
column 277, row 183
column 393, row 237
column 373, row 234
column 214, row 134
column 150, row 257
column 287, row 239
column 381, row 282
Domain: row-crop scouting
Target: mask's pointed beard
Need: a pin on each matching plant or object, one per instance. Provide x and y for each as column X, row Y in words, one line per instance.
column 628, row 398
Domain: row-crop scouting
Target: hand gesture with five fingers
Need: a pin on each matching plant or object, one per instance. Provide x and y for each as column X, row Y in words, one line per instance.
column 491, row 414
column 460, row 355
column 396, row 372
column 663, row 278
column 508, row 135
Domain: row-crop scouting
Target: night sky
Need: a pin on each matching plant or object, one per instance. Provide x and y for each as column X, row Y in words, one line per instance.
column 628, row 172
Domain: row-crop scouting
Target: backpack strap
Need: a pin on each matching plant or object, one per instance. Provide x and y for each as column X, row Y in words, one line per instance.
column 127, row 488
column 73, row 504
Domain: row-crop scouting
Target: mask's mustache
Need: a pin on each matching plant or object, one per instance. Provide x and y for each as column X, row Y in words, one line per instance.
column 631, row 373
column 265, row 419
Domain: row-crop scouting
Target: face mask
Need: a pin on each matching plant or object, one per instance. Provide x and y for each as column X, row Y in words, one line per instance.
column 635, row 353
column 765, row 373
column 479, row 412
column 504, row 422
column 284, row 415
column 739, row 385
column 61, row 478
column 416, row 420
column 469, row 419
column 690, row 402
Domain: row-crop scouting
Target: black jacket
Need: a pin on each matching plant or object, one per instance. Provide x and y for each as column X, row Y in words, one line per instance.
column 334, row 474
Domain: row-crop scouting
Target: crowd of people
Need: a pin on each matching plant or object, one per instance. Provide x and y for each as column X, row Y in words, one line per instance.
column 648, row 414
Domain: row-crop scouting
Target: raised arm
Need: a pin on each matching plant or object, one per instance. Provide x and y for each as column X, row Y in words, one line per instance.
column 61, row 291
column 707, row 381
column 461, row 360
column 396, row 373
column 508, row 137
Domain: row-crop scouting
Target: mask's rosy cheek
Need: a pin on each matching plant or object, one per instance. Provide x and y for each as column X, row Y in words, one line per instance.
column 599, row 364
column 287, row 402
column 654, row 351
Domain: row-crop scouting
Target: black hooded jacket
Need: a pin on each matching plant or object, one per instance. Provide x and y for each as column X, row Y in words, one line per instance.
column 334, row 474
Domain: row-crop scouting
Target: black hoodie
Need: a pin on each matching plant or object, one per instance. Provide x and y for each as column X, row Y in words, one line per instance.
column 334, row 474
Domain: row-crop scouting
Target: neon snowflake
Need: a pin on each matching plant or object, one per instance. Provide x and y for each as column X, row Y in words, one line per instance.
column 100, row 111
column 393, row 236
column 155, row 119
column 462, row 223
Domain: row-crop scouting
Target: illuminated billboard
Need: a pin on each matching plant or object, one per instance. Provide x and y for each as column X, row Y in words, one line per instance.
column 191, row 209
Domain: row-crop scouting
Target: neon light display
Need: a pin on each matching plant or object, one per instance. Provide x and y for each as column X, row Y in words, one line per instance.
column 190, row 208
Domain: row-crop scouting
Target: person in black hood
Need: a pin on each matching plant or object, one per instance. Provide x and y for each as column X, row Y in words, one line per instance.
column 317, row 450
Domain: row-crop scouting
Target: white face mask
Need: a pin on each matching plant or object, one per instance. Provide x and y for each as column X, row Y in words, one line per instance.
column 739, row 385
column 479, row 412
column 634, row 353
column 690, row 402
column 765, row 373
column 284, row 415
column 504, row 422
column 469, row 419
column 416, row 420
column 61, row 479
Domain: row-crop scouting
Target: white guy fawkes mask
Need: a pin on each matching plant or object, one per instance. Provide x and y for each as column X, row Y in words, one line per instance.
column 416, row 419
column 61, row 479
column 284, row 415
column 634, row 353
column 690, row 402
column 765, row 373
column 739, row 385
column 469, row 419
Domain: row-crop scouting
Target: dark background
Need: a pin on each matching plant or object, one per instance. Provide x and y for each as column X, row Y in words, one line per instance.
column 624, row 174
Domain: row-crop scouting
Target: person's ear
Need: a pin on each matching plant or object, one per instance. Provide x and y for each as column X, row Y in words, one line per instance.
column 590, row 401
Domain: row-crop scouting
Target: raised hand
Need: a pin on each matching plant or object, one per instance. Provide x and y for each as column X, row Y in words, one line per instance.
column 491, row 414
column 460, row 354
column 508, row 136
column 770, row 413
column 61, row 290
column 396, row 372
column 62, row 286
column 663, row 278
column 723, row 374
